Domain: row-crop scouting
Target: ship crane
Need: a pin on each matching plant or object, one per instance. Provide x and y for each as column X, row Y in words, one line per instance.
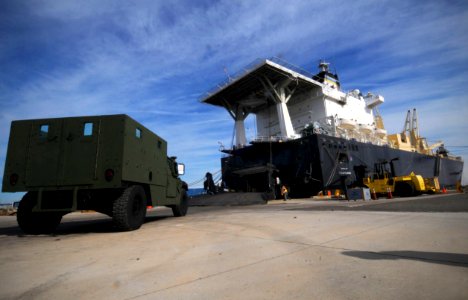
column 414, row 124
column 378, row 119
column 406, row 132
column 410, row 134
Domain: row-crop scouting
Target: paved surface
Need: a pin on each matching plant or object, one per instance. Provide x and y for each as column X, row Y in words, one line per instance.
column 227, row 199
column 427, row 203
column 300, row 249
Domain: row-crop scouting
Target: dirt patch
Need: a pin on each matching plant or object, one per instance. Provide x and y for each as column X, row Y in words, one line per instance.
column 7, row 211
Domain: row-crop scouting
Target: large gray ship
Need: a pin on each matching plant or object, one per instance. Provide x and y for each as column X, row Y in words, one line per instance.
column 312, row 136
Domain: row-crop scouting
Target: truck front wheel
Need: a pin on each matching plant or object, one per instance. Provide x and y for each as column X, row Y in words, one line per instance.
column 36, row 222
column 404, row 189
column 129, row 210
column 181, row 209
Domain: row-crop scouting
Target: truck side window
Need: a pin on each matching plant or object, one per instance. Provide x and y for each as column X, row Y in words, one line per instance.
column 44, row 130
column 138, row 133
column 88, row 129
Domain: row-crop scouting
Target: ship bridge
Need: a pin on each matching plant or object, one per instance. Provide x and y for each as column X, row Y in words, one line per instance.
column 262, row 85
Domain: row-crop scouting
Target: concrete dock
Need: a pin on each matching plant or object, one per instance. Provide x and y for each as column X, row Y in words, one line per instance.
column 414, row 248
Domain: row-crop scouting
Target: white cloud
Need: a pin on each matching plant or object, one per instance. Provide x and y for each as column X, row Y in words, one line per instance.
column 154, row 60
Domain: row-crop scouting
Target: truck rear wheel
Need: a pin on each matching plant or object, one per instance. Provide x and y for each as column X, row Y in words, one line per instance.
column 181, row 209
column 36, row 222
column 129, row 210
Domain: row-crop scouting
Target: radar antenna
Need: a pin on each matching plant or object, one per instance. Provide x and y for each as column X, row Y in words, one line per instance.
column 227, row 74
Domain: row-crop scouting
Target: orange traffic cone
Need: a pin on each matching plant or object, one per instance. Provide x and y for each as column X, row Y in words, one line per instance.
column 374, row 195
column 329, row 193
column 444, row 190
column 389, row 193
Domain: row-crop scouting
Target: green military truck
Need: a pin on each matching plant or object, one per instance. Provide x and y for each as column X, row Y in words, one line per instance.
column 110, row 164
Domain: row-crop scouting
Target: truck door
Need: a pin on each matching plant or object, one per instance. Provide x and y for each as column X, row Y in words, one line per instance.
column 43, row 156
column 171, row 187
column 63, row 152
column 80, row 151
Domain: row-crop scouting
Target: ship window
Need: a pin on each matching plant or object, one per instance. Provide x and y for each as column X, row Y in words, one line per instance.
column 88, row 129
column 138, row 133
column 44, row 130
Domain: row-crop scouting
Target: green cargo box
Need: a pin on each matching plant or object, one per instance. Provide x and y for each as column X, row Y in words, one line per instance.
column 111, row 164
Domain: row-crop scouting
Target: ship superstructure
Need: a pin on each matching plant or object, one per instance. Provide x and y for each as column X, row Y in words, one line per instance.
column 312, row 135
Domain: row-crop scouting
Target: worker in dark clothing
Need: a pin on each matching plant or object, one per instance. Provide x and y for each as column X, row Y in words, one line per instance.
column 209, row 185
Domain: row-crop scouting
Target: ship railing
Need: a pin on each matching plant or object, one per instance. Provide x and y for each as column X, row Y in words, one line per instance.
column 253, row 65
column 324, row 126
column 329, row 126
column 265, row 139
column 290, row 66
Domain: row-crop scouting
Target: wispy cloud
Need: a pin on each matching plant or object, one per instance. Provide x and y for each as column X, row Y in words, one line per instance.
column 155, row 59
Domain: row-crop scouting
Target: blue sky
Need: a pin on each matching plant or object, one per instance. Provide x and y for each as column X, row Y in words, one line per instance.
column 154, row 60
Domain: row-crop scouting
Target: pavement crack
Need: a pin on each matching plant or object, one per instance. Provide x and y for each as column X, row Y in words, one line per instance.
column 364, row 231
column 41, row 288
column 221, row 272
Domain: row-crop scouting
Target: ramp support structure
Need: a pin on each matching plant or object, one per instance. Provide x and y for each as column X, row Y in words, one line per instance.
column 280, row 94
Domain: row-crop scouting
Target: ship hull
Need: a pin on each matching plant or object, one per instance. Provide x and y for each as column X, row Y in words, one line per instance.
column 317, row 162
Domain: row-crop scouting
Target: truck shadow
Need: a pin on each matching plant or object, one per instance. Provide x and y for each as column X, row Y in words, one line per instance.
column 96, row 226
column 444, row 258
column 83, row 226
column 99, row 223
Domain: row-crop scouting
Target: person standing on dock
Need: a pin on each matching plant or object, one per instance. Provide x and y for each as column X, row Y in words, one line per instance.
column 284, row 192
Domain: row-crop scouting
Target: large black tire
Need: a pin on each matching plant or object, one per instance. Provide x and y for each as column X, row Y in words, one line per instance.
column 404, row 189
column 181, row 209
column 36, row 222
column 129, row 210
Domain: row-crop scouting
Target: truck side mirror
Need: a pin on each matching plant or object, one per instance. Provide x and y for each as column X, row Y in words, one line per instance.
column 181, row 169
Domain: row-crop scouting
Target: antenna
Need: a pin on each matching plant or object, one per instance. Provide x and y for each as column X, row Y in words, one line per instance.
column 227, row 74
column 323, row 65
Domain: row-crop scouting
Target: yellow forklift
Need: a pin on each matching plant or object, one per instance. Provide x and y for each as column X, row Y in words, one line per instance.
column 382, row 181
